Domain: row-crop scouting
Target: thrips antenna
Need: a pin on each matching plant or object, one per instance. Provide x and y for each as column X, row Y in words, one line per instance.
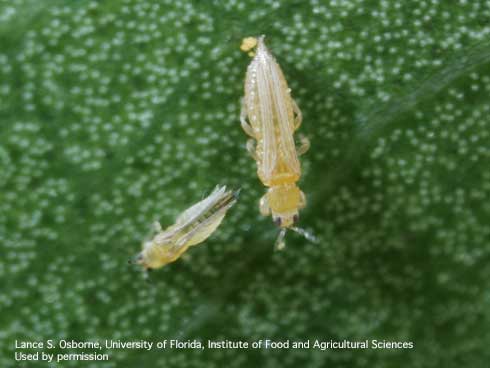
column 308, row 235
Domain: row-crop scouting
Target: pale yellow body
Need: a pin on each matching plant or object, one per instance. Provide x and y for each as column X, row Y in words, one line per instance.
column 192, row 227
column 270, row 116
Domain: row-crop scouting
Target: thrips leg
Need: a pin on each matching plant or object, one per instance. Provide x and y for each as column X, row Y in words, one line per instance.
column 299, row 116
column 264, row 208
column 302, row 200
column 304, row 145
column 251, row 149
column 243, row 120
column 246, row 127
column 157, row 227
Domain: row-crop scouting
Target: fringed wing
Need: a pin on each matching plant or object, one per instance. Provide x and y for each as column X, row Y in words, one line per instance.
column 187, row 218
column 270, row 111
column 193, row 212
column 284, row 114
column 207, row 222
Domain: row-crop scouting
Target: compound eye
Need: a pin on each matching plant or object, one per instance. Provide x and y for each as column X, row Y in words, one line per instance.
column 277, row 221
column 295, row 219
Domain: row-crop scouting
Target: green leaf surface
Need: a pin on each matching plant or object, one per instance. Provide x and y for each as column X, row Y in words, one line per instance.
column 114, row 114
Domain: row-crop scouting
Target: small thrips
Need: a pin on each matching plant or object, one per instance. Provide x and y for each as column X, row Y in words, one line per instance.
column 192, row 227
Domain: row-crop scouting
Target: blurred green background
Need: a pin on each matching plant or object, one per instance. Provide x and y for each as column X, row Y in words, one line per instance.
column 116, row 113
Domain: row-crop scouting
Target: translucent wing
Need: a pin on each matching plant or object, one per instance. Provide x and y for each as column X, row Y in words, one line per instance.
column 284, row 114
column 193, row 212
column 204, row 225
column 187, row 218
column 260, row 112
column 270, row 111
column 267, row 117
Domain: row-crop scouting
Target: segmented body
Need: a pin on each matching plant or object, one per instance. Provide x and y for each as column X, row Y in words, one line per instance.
column 192, row 227
column 270, row 116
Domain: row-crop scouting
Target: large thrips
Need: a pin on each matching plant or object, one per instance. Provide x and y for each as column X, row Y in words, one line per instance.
column 270, row 116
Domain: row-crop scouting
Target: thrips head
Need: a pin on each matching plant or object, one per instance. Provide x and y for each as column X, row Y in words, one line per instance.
column 285, row 220
column 139, row 259
column 284, row 202
column 143, row 258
